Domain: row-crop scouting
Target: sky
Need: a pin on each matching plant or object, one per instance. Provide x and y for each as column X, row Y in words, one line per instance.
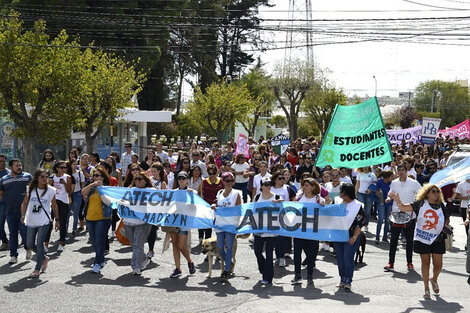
column 397, row 67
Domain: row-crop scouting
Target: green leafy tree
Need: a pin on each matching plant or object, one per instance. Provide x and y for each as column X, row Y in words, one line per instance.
column 279, row 121
column 38, row 83
column 107, row 85
column 450, row 99
column 320, row 102
column 291, row 83
column 219, row 107
column 257, row 83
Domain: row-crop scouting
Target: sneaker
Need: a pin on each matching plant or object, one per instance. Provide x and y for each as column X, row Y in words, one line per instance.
column 309, row 280
column 282, row 262
column 136, row 271
column 96, row 269
column 4, row 246
column 377, row 241
column 388, row 267
column 347, row 287
column 265, row 282
column 325, row 247
column 366, row 229
column 13, row 260
column 44, row 264
column 191, row 267
column 145, row 264
column 150, row 254
column 46, row 249
column 224, row 275
column 296, row 281
column 384, row 239
column 29, row 254
column 410, row 266
column 60, row 248
column 102, row 264
column 176, row 273
column 113, row 234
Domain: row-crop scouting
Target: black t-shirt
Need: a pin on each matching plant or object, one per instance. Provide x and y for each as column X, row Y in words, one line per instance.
column 359, row 221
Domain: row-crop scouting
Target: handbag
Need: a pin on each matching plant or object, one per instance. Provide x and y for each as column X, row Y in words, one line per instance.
column 121, row 234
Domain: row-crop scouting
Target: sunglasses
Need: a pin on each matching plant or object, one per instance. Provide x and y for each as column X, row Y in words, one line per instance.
column 138, row 179
column 211, row 173
column 266, row 184
column 62, row 167
column 134, row 169
column 229, row 180
column 195, row 154
column 182, row 178
column 280, row 178
column 258, row 159
column 434, row 191
column 42, row 176
column 96, row 175
column 334, row 175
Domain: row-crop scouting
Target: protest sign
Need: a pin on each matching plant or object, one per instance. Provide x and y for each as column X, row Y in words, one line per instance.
column 396, row 136
column 242, row 146
column 430, row 128
column 280, row 143
column 356, row 137
column 459, row 131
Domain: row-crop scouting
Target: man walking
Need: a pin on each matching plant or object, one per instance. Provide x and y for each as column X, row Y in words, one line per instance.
column 13, row 190
column 406, row 188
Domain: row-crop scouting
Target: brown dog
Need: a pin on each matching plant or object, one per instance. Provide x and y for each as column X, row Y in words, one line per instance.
column 209, row 247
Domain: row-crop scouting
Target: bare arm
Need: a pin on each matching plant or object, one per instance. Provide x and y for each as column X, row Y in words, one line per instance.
column 403, row 207
column 24, row 205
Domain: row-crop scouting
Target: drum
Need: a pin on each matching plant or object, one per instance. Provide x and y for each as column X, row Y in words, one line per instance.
column 399, row 219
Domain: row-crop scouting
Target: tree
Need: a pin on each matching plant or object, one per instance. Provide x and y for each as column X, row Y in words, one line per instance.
column 279, row 121
column 320, row 102
column 290, row 83
column 107, row 85
column 257, row 83
column 218, row 108
column 450, row 99
column 38, row 83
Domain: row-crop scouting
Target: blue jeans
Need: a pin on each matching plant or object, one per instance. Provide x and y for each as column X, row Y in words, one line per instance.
column 3, row 218
column 345, row 255
column 15, row 226
column 98, row 231
column 244, row 188
column 225, row 242
column 75, row 208
column 384, row 212
column 367, row 201
column 35, row 241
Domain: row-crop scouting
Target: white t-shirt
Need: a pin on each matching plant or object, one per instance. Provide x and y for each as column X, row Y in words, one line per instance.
column 163, row 156
column 412, row 172
column 314, row 199
column 228, row 201
column 61, row 194
column 463, row 188
column 406, row 190
column 241, row 168
column 202, row 166
column 283, row 192
column 332, row 190
column 345, row 179
column 79, row 178
column 257, row 181
column 365, row 180
column 266, row 200
column 35, row 215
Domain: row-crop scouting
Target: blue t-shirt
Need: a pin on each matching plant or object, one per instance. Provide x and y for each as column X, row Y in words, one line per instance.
column 3, row 173
column 385, row 187
column 14, row 189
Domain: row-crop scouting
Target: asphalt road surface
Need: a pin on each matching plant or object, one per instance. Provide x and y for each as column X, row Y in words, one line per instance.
column 69, row 286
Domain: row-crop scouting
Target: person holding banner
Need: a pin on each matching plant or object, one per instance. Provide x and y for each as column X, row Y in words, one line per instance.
column 227, row 197
column 137, row 231
column 98, row 216
column 208, row 190
column 407, row 189
column 429, row 235
column 345, row 250
column 179, row 238
column 311, row 194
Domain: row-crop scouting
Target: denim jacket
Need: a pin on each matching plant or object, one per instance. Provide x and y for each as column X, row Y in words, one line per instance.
column 107, row 210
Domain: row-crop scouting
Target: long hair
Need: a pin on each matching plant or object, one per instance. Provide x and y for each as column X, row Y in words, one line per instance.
column 423, row 192
column 35, row 182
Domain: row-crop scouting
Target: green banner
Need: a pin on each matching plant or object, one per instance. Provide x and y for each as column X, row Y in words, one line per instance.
column 356, row 137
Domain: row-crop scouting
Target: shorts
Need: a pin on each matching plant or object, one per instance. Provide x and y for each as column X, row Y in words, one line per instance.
column 437, row 247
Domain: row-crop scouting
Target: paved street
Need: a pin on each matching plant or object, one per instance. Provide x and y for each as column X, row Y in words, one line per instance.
column 69, row 286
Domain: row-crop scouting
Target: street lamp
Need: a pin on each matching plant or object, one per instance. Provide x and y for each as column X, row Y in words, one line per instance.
column 375, row 79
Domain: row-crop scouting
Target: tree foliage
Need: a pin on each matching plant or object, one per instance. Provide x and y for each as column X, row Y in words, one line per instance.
column 320, row 102
column 291, row 82
column 219, row 107
column 279, row 121
column 450, row 99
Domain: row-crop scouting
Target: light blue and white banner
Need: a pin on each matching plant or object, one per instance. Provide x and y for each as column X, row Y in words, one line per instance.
column 453, row 174
column 185, row 209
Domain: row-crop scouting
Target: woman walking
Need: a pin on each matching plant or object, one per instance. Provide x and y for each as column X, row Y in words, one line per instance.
column 36, row 215
column 78, row 182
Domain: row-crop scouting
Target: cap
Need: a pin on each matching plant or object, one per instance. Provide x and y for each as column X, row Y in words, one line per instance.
column 265, row 180
column 183, row 174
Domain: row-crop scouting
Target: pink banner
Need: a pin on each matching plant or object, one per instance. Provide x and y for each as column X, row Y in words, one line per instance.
column 242, row 146
column 460, row 131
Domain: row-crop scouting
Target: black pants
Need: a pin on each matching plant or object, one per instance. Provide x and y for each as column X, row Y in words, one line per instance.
column 463, row 214
column 63, row 216
column 152, row 237
column 409, row 232
column 310, row 247
column 265, row 264
column 205, row 233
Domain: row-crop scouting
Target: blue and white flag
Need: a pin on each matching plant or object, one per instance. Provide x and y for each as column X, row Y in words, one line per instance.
column 180, row 208
column 453, row 174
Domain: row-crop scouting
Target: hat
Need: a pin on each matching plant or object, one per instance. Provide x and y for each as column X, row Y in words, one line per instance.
column 183, row 174
column 265, row 180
